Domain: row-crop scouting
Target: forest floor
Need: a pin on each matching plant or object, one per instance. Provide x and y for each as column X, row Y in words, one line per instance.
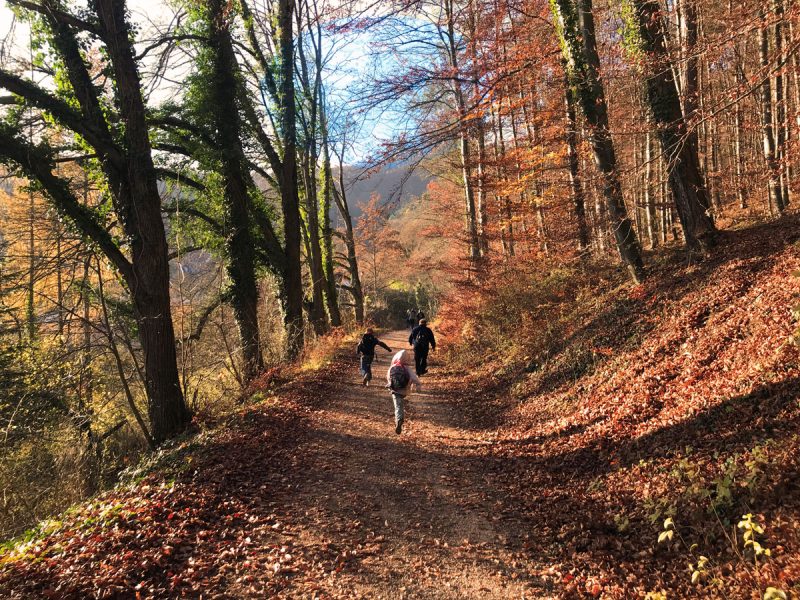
column 313, row 496
column 673, row 401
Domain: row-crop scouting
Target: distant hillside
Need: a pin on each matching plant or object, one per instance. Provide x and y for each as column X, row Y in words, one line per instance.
column 396, row 183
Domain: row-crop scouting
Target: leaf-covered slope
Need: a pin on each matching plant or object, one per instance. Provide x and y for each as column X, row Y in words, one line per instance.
column 185, row 528
column 676, row 398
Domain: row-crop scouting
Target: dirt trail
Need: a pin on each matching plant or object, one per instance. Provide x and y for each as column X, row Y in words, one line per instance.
column 379, row 515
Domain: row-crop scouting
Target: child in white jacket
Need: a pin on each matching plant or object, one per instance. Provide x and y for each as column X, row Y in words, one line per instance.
column 402, row 360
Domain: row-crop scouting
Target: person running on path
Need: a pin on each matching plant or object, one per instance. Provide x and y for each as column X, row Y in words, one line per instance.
column 399, row 378
column 420, row 317
column 422, row 340
column 411, row 321
column 366, row 350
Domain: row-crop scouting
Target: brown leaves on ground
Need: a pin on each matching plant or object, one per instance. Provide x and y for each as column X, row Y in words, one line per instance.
column 675, row 398
column 541, row 484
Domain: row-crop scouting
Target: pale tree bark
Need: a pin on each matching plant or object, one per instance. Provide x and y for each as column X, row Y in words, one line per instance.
column 738, row 128
column 649, row 199
column 575, row 182
column 463, row 134
column 505, row 221
column 780, row 103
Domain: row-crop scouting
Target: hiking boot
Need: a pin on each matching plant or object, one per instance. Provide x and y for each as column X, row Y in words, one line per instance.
column 399, row 427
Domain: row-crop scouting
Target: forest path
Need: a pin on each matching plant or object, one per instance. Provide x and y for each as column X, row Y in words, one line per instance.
column 379, row 515
column 309, row 493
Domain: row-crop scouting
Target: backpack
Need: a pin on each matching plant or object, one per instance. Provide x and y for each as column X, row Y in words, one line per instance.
column 421, row 340
column 398, row 378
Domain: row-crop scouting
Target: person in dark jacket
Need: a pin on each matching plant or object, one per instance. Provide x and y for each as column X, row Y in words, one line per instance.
column 366, row 350
column 422, row 340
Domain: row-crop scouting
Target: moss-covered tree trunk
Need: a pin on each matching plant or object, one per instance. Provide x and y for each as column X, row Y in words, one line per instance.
column 130, row 175
column 331, row 294
column 311, row 231
column 575, row 27
column 223, row 86
column 677, row 145
column 292, row 292
column 145, row 227
column 355, row 288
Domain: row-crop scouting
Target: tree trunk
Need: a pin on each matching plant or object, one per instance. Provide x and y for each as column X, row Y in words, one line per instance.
column 315, row 268
column 683, row 166
column 483, row 208
column 30, row 295
column 331, row 295
column 576, row 26
column 506, row 218
column 290, row 199
column 309, row 156
column 463, row 138
column 238, row 243
column 775, row 196
column 576, row 186
column 689, row 26
column 780, row 104
column 150, row 282
column 738, row 127
column 356, row 290
column 795, row 122
column 537, row 196
column 649, row 200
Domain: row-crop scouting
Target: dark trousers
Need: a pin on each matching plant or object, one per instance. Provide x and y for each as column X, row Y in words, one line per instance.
column 421, row 359
column 366, row 366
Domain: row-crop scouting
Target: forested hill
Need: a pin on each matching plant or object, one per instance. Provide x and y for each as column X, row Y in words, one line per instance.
column 657, row 419
column 395, row 184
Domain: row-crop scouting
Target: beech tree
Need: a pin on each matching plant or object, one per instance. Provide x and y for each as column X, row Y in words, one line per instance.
column 677, row 145
column 575, row 27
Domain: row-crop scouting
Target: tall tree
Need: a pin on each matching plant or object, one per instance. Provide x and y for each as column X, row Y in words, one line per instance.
column 328, row 191
column 576, row 185
column 775, row 193
column 453, row 40
column 223, row 89
column 290, row 198
column 126, row 163
column 677, row 145
column 310, row 79
column 575, row 28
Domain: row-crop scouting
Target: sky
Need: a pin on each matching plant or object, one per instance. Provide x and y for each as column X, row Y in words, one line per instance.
column 350, row 64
